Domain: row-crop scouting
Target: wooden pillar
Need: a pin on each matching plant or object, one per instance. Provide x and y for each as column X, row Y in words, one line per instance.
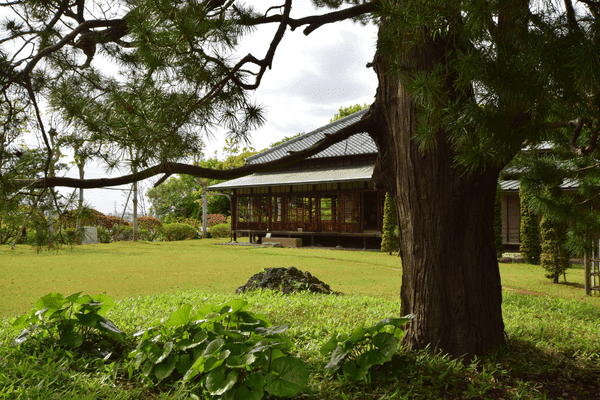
column 234, row 216
column 364, row 242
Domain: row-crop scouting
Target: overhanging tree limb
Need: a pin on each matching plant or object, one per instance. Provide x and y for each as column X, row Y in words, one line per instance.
column 364, row 125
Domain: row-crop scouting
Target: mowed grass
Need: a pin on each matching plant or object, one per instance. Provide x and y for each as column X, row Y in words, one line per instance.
column 127, row 269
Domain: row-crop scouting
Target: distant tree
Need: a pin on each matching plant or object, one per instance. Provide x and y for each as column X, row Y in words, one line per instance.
column 287, row 138
column 345, row 111
column 555, row 254
column 498, row 222
column 389, row 240
column 530, row 232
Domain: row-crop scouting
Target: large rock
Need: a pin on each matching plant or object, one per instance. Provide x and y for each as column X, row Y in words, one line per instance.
column 285, row 280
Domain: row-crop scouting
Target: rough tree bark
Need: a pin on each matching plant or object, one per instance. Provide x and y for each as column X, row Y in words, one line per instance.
column 451, row 280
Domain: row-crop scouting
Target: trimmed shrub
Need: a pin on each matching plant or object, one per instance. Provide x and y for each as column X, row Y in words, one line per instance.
column 220, row 231
column 177, row 231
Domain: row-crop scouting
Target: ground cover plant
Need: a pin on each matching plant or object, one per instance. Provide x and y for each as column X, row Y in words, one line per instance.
column 552, row 350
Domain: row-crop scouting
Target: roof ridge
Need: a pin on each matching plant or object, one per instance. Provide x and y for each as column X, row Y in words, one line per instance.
column 306, row 135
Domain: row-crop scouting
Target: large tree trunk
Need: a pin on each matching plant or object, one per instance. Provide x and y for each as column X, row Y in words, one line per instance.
column 451, row 280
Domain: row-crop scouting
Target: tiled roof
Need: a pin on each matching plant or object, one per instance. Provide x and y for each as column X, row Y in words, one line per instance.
column 361, row 143
column 513, row 185
column 321, row 175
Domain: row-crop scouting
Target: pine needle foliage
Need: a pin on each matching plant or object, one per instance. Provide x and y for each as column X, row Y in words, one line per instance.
column 389, row 241
column 555, row 254
column 531, row 249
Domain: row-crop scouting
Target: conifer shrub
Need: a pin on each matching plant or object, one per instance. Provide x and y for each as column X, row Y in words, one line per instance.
column 177, row 231
column 531, row 250
column 555, row 254
column 389, row 240
column 498, row 244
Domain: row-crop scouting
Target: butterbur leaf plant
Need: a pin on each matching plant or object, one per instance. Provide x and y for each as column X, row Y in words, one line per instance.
column 354, row 354
column 232, row 353
column 74, row 321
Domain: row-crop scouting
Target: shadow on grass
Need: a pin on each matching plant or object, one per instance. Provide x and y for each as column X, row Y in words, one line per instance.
column 518, row 369
column 573, row 284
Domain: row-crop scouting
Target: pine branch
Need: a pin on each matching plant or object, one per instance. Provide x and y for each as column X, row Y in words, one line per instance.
column 316, row 21
column 364, row 125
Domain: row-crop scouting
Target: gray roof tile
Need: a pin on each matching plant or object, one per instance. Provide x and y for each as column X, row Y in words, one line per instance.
column 361, row 143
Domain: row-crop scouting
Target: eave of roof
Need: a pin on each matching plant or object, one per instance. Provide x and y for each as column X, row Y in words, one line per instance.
column 321, row 175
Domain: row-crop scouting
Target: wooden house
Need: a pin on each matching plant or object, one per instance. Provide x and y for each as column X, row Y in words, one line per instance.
column 327, row 199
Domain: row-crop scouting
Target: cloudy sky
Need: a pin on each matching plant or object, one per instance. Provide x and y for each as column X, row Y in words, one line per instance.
column 312, row 77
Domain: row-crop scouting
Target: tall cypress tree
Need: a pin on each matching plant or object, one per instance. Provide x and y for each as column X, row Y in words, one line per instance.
column 555, row 255
column 498, row 222
column 389, row 240
column 531, row 249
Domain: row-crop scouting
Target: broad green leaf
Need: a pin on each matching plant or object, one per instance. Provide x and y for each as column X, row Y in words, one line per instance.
column 51, row 300
column 256, row 382
column 288, row 377
column 89, row 319
column 200, row 337
column 106, row 301
column 330, row 346
column 21, row 322
column 262, row 345
column 163, row 371
column 386, row 343
column 184, row 364
column 218, row 383
column 357, row 373
column 147, row 368
column 370, row 358
column 85, row 299
column 154, row 353
column 272, row 330
column 73, row 297
column 165, row 352
column 236, row 305
column 214, row 347
column 357, row 335
column 179, row 317
column 338, row 355
column 243, row 393
column 139, row 357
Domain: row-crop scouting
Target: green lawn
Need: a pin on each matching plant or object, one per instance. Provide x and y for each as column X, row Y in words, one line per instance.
column 127, row 269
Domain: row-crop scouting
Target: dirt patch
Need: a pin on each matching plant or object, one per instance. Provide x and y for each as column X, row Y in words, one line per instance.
column 286, row 281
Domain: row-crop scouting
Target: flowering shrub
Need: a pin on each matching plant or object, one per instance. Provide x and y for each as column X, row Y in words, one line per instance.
column 150, row 223
column 215, row 219
column 108, row 221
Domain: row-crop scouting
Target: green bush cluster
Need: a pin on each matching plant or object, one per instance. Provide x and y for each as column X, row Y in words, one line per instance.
column 178, row 231
column 220, row 231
